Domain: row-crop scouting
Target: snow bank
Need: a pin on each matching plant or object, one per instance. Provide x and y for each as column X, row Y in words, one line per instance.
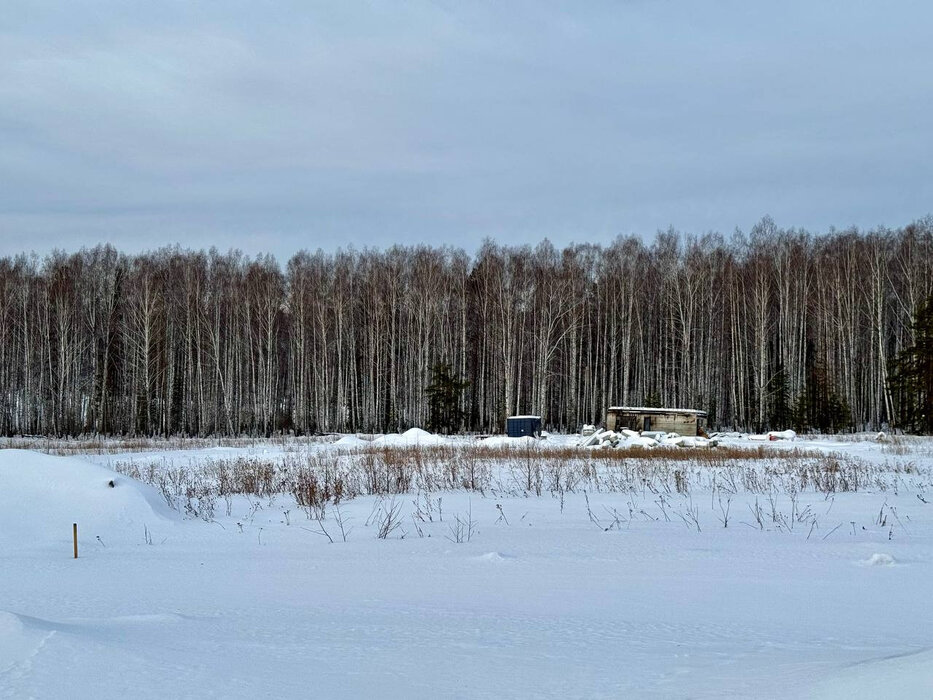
column 412, row 437
column 771, row 436
column 41, row 496
column 21, row 638
column 351, row 441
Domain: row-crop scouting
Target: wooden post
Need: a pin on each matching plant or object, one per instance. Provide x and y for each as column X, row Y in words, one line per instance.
column 74, row 530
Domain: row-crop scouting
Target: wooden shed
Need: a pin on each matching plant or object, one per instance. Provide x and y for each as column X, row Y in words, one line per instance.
column 684, row 421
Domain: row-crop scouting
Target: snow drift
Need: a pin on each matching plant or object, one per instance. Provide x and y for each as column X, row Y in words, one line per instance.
column 899, row 676
column 412, row 437
column 41, row 496
column 350, row 441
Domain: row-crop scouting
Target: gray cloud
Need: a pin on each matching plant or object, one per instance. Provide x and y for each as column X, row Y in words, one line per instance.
column 275, row 126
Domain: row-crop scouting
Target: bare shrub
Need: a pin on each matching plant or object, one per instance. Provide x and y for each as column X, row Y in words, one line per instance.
column 388, row 519
column 317, row 478
column 463, row 527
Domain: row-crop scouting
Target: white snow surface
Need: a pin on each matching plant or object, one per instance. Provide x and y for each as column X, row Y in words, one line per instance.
column 908, row 675
column 350, row 441
column 410, row 438
column 41, row 496
column 541, row 602
column 525, row 441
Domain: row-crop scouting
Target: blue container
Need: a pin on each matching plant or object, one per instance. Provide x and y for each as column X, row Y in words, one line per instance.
column 518, row 426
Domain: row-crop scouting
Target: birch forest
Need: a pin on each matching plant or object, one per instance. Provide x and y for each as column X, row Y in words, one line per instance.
column 762, row 330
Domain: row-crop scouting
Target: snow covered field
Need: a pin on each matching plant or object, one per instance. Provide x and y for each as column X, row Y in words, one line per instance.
column 747, row 570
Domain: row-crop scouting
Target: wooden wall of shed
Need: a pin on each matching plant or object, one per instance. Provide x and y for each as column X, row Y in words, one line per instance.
column 683, row 424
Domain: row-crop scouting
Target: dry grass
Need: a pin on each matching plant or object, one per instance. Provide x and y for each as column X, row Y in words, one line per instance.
column 318, row 477
column 117, row 445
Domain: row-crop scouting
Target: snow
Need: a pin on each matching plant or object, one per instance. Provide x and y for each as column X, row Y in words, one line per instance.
column 878, row 559
column 410, row 438
column 41, row 496
column 542, row 601
column 350, row 441
column 649, row 409
column 907, row 675
column 505, row 441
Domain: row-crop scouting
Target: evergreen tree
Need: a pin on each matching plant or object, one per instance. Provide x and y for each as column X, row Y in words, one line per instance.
column 444, row 400
column 652, row 400
column 912, row 376
column 818, row 406
column 780, row 412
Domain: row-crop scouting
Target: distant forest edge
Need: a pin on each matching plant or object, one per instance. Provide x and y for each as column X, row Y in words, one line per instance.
column 772, row 329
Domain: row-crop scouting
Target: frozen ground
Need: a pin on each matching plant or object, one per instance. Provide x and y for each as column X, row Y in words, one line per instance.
column 612, row 593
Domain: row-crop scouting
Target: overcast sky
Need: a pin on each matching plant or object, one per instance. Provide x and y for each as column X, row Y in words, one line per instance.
column 275, row 126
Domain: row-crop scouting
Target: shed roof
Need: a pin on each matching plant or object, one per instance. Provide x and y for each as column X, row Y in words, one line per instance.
column 538, row 417
column 655, row 410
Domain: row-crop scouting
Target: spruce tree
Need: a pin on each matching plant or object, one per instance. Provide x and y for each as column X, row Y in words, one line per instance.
column 444, row 400
column 781, row 411
column 818, row 407
column 911, row 380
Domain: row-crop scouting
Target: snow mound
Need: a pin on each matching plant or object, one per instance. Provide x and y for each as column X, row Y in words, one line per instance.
column 495, row 557
column 414, row 436
column 41, row 496
column 878, row 559
column 350, row 441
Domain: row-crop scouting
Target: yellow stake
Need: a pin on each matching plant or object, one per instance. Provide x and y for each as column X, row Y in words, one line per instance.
column 74, row 530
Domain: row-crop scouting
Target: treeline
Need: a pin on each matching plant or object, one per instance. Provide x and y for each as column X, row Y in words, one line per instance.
column 775, row 328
